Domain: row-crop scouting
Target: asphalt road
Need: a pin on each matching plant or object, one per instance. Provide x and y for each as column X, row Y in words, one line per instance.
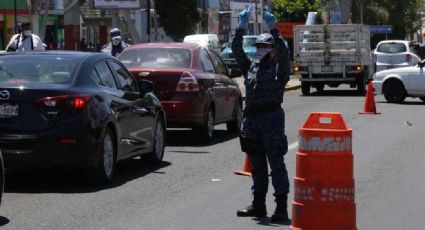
column 194, row 188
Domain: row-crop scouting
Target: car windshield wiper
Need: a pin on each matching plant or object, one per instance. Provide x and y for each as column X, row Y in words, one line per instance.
column 7, row 72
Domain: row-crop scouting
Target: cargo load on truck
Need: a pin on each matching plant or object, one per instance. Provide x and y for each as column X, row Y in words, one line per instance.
column 332, row 54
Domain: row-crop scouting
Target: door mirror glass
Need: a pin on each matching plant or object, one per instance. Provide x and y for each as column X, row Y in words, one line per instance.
column 235, row 73
column 145, row 87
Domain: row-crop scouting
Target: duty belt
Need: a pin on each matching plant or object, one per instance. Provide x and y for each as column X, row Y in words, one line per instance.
column 257, row 110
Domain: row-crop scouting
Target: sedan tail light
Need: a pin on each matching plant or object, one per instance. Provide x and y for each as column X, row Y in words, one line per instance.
column 62, row 106
column 187, row 83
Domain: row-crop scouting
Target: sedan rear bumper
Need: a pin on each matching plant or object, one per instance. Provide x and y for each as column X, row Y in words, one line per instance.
column 184, row 114
column 41, row 152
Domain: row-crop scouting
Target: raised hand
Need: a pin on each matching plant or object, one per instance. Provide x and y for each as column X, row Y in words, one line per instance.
column 244, row 17
column 269, row 18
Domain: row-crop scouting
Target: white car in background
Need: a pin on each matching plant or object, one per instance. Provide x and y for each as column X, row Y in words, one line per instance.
column 391, row 54
column 397, row 84
column 206, row 40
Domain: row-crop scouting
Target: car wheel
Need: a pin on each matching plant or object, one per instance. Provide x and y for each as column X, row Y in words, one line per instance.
column 395, row 92
column 320, row 87
column 235, row 124
column 207, row 130
column 305, row 88
column 157, row 154
column 105, row 168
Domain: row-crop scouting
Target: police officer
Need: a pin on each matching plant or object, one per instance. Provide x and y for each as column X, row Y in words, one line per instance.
column 117, row 45
column 25, row 41
column 264, row 118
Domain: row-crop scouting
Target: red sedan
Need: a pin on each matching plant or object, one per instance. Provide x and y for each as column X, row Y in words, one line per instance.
column 192, row 82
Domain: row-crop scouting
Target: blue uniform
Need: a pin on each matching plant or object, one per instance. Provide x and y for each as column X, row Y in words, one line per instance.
column 264, row 119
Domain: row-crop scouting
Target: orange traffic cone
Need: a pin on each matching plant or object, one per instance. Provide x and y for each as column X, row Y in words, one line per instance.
column 369, row 103
column 246, row 169
column 324, row 188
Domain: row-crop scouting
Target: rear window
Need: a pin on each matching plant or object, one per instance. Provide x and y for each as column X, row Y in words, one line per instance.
column 391, row 48
column 156, row 57
column 36, row 69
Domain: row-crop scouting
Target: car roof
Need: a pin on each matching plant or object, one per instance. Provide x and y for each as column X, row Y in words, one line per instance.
column 65, row 54
column 250, row 36
column 394, row 41
column 200, row 35
column 191, row 46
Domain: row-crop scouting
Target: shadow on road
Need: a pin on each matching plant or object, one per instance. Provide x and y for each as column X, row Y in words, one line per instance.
column 419, row 103
column 332, row 93
column 75, row 181
column 3, row 221
column 266, row 222
column 191, row 139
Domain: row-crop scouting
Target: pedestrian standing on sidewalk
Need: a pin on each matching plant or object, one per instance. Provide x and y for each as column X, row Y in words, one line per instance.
column 263, row 134
column 25, row 41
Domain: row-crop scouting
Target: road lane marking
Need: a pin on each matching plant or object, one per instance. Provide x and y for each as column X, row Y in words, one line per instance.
column 293, row 146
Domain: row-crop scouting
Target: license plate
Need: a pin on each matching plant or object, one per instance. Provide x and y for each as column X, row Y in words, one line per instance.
column 7, row 110
column 327, row 68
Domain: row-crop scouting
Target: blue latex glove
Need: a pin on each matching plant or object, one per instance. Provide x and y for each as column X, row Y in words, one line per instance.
column 269, row 18
column 244, row 18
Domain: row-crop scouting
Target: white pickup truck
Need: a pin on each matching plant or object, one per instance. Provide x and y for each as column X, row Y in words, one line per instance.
column 332, row 54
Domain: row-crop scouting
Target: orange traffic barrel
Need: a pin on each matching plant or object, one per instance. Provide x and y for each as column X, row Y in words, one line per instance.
column 324, row 181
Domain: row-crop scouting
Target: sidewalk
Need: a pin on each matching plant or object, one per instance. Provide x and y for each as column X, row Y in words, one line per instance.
column 293, row 84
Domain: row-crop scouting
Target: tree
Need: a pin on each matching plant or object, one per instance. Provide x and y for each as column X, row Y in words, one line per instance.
column 177, row 17
column 403, row 15
column 294, row 10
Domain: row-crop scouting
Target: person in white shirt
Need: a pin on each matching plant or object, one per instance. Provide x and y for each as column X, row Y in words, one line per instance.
column 25, row 41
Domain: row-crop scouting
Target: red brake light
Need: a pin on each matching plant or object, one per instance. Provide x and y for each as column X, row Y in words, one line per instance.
column 79, row 102
column 187, row 83
column 65, row 101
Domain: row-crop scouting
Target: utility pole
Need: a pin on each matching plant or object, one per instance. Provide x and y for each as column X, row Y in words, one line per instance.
column 148, row 20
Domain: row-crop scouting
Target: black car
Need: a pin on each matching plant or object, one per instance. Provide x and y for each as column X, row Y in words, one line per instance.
column 76, row 109
column 1, row 176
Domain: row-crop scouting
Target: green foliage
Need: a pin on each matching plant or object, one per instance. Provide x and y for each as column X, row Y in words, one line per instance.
column 294, row 10
column 178, row 17
column 403, row 15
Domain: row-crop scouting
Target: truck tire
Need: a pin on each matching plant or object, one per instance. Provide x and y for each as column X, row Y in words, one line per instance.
column 305, row 88
column 319, row 87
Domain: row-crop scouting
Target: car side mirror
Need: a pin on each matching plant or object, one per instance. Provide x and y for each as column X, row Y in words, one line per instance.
column 145, row 87
column 235, row 73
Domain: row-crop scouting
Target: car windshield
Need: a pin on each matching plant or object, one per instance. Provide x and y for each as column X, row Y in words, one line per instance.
column 391, row 48
column 157, row 57
column 246, row 42
column 46, row 70
column 249, row 42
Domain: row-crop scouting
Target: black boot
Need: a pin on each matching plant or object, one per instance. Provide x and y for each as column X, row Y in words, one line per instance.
column 257, row 208
column 281, row 212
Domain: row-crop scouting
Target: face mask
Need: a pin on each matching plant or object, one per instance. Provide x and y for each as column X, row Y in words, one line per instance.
column 26, row 33
column 261, row 52
column 116, row 42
